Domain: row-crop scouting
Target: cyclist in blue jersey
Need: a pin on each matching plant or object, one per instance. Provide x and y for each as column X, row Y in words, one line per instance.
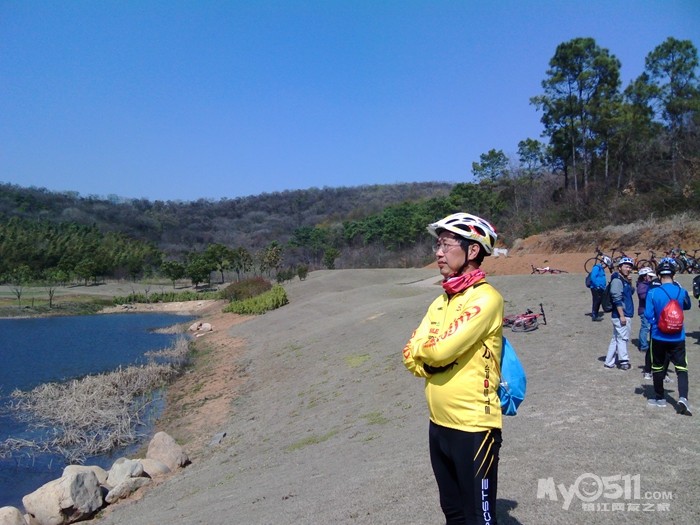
column 667, row 344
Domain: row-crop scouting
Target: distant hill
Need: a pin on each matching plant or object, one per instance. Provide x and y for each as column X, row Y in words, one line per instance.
column 177, row 227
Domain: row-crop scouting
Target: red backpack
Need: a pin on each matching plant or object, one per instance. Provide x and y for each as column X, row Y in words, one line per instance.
column 671, row 317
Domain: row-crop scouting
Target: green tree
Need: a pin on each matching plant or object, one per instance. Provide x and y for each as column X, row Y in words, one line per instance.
column 311, row 241
column 480, row 199
column 271, row 258
column 18, row 278
column 241, row 262
column 633, row 136
column 672, row 73
column 173, row 270
column 51, row 279
column 329, row 256
column 581, row 77
column 221, row 257
column 491, row 167
column 198, row 269
column 86, row 269
column 532, row 155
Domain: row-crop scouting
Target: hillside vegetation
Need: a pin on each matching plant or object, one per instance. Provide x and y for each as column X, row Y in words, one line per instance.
column 615, row 156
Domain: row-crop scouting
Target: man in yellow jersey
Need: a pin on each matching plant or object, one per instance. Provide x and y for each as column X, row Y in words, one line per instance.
column 457, row 349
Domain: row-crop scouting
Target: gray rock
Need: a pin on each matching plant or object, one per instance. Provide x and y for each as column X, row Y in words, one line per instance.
column 123, row 469
column 217, row 439
column 11, row 516
column 98, row 471
column 126, row 488
column 154, row 468
column 64, row 500
column 164, row 448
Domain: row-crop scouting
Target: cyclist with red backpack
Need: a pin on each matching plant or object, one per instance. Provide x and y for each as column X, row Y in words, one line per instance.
column 664, row 311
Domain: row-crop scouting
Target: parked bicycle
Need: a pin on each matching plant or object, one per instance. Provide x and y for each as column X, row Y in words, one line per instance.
column 651, row 262
column 685, row 262
column 695, row 261
column 638, row 263
column 546, row 269
column 526, row 322
column 598, row 259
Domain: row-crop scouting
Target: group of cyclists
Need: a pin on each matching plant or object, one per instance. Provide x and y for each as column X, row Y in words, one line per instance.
column 685, row 263
column 662, row 301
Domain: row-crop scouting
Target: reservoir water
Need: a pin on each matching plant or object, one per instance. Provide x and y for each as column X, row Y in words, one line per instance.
column 56, row 349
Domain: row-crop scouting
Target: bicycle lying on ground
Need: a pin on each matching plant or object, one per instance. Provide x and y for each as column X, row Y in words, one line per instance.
column 546, row 269
column 526, row 322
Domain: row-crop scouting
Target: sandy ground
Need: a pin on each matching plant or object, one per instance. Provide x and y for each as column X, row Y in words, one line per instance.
column 324, row 425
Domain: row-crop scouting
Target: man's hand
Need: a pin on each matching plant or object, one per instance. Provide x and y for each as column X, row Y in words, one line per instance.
column 623, row 319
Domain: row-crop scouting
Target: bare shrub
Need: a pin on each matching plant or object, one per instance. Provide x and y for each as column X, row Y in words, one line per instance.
column 95, row 414
column 178, row 354
column 170, row 330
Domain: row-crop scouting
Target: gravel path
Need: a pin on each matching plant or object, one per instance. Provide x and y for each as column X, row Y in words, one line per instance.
column 331, row 429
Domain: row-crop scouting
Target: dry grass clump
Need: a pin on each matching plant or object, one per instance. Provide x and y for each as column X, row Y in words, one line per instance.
column 95, row 414
column 177, row 354
column 171, row 330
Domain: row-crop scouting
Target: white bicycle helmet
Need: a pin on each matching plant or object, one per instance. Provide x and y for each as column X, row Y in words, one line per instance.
column 645, row 271
column 625, row 260
column 469, row 227
column 607, row 261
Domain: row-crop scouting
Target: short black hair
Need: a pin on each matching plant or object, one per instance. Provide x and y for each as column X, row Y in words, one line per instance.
column 465, row 246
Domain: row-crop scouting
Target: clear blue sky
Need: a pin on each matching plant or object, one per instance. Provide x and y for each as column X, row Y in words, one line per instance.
column 181, row 100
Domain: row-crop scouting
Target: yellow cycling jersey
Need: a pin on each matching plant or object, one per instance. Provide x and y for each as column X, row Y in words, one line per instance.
column 466, row 330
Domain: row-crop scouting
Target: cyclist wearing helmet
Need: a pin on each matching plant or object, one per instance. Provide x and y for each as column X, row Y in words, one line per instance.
column 597, row 281
column 621, row 316
column 667, row 345
column 457, row 349
column 646, row 275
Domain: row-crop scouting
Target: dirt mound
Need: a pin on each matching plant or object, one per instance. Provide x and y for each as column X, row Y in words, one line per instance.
column 680, row 231
column 568, row 249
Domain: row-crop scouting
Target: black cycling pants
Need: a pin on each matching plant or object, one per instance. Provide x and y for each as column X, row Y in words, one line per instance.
column 465, row 465
column 596, row 300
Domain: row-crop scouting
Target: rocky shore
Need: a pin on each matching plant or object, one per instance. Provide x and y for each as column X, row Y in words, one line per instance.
column 83, row 491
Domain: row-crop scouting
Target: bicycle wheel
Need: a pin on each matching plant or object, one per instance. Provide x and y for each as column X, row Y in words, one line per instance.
column 590, row 263
column 646, row 264
column 693, row 265
column 509, row 320
column 525, row 325
column 682, row 266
